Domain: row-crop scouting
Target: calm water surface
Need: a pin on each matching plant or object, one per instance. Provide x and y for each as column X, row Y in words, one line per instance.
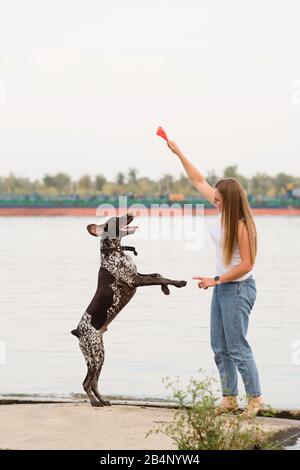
column 48, row 275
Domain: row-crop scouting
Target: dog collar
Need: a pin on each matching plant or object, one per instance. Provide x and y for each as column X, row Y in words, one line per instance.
column 130, row 248
column 127, row 248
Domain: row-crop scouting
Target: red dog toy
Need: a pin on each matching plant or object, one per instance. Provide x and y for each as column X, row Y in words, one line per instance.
column 162, row 133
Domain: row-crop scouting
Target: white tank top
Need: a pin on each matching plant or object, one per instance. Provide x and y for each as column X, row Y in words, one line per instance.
column 215, row 233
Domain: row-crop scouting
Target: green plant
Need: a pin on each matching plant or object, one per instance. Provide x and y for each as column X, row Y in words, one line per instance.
column 196, row 424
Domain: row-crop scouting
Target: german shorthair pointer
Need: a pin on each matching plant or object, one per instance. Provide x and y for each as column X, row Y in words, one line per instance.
column 118, row 280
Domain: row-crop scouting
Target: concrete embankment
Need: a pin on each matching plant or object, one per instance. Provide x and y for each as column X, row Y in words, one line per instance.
column 27, row 423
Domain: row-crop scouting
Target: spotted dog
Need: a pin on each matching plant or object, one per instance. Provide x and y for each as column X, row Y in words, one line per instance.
column 118, row 280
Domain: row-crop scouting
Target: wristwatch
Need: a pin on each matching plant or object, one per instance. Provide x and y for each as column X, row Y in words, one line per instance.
column 217, row 279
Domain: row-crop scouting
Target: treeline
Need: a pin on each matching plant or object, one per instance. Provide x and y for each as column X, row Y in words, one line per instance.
column 261, row 184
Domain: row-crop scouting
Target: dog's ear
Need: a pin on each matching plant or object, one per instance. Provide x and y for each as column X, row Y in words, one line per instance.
column 95, row 230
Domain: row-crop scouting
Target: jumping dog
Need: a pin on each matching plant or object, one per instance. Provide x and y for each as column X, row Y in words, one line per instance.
column 118, row 280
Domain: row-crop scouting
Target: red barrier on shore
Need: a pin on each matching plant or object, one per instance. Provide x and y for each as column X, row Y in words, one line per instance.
column 91, row 211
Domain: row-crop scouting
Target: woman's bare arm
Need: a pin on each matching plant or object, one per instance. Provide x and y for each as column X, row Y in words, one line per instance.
column 245, row 264
column 194, row 175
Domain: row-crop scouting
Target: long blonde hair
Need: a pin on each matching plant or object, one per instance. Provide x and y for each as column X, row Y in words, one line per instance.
column 235, row 207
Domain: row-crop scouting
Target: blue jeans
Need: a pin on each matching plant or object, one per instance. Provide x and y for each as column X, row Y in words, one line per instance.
column 231, row 305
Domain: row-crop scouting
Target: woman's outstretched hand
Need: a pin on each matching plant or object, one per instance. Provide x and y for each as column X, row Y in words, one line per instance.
column 174, row 147
column 205, row 282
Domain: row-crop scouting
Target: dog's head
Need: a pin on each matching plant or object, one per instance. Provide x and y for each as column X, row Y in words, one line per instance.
column 113, row 228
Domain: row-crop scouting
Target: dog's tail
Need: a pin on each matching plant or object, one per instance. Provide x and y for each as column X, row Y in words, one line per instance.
column 75, row 333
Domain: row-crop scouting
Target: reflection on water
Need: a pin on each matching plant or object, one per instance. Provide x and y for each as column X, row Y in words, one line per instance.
column 48, row 275
column 295, row 446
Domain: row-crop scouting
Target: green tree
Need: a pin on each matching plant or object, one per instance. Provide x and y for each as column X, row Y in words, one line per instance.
column 166, row 183
column 212, row 178
column 261, row 184
column 132, row 175
column 231, row 171
column 61, row 182
column 120, row 179
column 281, row 181
column 85, row 184
column 100, row 181
column 13, row 184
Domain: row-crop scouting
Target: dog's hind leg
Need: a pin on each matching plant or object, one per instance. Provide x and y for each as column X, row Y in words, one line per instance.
column 95, row 388
column 99, row 355
column 87, row 386
column 92, row 348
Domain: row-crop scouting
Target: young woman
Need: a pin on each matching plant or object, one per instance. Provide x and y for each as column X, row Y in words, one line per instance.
column 234, row 288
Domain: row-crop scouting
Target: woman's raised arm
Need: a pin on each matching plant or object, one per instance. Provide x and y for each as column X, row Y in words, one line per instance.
column 194, row 175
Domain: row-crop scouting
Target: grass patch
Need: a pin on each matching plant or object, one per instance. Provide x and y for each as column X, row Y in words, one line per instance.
column 196, row 424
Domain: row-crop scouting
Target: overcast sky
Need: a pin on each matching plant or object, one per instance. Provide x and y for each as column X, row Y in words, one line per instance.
column 84, row 84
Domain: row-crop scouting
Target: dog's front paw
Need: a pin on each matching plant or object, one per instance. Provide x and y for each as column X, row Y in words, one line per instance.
column 181, row 284
column 165, row 290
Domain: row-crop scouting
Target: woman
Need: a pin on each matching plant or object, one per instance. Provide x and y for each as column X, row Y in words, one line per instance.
column 234, row 288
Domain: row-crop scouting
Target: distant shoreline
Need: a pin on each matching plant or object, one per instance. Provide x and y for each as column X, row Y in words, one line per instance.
column 162, row 212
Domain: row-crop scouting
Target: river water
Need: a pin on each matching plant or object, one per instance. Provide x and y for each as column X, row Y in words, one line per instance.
column 48, row 275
